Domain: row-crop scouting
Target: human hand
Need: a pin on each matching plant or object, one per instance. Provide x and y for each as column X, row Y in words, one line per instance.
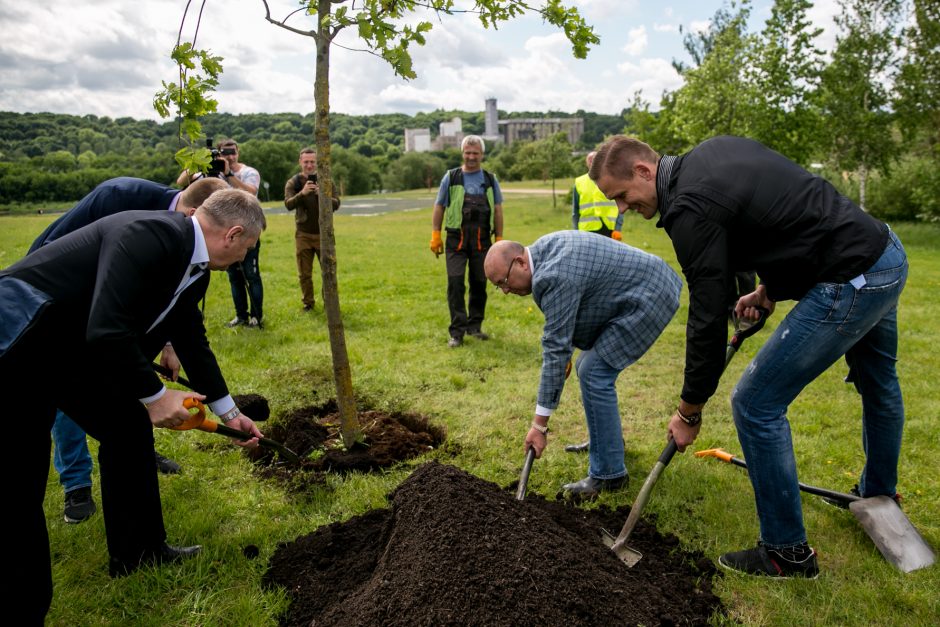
column 681, row 432
column 747, row 305
column 168, row 411
column 437, row 246
column 170, row 361
column 537, row 440
column 246, row 424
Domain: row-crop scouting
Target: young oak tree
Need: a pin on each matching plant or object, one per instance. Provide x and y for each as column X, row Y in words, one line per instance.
column 387, row 29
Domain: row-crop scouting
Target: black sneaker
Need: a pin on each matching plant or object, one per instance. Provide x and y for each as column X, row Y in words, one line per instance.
column 854, row 492
column 255, row 323
column 79, row 505
column 798, row 561
column 166, row 465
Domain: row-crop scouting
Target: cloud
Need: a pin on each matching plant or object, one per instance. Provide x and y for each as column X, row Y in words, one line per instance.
column 651, row 77
column 636, row 41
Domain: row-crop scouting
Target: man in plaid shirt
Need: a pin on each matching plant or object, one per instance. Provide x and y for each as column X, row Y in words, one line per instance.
column 606, row 298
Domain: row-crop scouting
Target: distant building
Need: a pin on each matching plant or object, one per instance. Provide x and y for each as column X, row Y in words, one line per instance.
column 491, row 122
column 532, row 129
column 450, row 136
column 417, row 140
column 496, row 130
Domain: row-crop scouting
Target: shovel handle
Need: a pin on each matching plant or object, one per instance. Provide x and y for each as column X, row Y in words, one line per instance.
column 644, row 495
column 725, row 456
column 166, row 372
column 524, row 477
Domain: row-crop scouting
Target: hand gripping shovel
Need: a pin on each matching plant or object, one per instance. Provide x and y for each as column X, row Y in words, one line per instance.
column 743, row 329
column 198, row 420
column 892, row 532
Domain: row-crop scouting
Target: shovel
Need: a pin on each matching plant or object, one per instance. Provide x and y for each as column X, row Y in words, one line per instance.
column 892, row 532
column 743, row 328
column 252, row 405
column 524, row 477
column 198, row 420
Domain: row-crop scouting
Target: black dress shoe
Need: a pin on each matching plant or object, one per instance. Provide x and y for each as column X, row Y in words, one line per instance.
column 166, row 554
column 166, row 465
column 580, row 447
column 590, row 487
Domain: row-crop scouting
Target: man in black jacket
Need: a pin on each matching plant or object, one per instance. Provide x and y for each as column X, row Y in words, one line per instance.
column 731, row 204
column 108, row 296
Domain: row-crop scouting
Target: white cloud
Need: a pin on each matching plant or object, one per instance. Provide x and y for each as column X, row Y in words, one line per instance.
column 636, row 41
column 665, row 28
column 651, row 77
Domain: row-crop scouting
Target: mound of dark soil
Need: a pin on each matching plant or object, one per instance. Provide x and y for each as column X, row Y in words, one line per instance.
column 388, row 438
column 453, row 549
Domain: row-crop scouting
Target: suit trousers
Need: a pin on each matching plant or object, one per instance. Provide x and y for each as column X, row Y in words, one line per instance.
column 34, row 380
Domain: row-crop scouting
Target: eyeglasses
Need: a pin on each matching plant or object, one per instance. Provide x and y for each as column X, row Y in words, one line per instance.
column 505, row 282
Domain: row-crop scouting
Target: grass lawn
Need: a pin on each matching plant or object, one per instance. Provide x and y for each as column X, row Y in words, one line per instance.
column 392, row 292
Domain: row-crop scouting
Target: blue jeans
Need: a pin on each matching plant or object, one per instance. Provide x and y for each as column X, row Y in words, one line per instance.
column 247, row 274
column 71, row 460
column 599, row 397
column 831, row 320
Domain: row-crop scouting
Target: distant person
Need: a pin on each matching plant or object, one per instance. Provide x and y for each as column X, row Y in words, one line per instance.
column 244, row 277
column 590, row 209
column 610, row 300
column 110, row 295
column 72, row 460
column 731, row 204
column 301, row 196
column 469, row 206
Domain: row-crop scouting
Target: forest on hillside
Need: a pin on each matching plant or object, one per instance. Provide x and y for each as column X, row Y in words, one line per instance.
column 57, row 157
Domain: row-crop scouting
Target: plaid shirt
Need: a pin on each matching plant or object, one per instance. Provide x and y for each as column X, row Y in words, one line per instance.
column 597, row 293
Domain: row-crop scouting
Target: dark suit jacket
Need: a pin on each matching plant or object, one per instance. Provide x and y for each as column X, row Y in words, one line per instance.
column 112, row 196
column 107, row 283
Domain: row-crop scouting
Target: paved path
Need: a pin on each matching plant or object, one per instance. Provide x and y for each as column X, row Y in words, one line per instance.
column 377, row 205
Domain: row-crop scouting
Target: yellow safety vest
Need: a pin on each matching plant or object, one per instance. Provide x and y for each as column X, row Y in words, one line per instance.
column 595, row 210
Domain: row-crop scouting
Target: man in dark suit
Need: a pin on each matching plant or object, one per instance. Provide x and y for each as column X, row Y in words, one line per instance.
column 608, row 299
column 72, row 460
column 110, row 295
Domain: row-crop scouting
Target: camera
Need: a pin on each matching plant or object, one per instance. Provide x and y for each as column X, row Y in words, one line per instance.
column 311, row 178
column 217, row 165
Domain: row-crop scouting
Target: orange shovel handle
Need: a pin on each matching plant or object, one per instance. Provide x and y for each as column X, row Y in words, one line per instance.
column 721, row 454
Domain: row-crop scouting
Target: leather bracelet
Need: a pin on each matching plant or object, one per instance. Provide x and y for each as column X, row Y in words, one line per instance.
column 694, row 419
column 540, row 428
column 230, row 415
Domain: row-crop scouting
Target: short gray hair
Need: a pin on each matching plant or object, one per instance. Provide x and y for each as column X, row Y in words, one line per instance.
column 473, row 139
column 234, row 207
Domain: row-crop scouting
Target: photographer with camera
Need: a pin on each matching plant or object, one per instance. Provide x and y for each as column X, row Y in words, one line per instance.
column 301, row 195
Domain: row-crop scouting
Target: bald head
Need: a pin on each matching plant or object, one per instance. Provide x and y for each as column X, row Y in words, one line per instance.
column 507, row 267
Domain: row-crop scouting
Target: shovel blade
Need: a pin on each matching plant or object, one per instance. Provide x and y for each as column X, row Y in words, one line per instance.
column 628, row 556
column 892, row 532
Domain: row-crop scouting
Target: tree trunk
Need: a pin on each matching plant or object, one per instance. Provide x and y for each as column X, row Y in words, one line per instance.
column 342, row 375
column 862, row 181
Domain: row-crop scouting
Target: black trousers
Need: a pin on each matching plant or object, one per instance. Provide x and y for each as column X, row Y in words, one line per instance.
column 465, row 251
column 37, row 376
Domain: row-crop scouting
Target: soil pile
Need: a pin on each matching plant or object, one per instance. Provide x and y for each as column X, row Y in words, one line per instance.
column 453, row 549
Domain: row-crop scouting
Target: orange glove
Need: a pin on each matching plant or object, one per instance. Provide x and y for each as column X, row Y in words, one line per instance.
column 617, row 236
column 437, row 246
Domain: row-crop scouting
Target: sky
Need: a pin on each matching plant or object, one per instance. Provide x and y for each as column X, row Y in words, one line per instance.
column 108, row 58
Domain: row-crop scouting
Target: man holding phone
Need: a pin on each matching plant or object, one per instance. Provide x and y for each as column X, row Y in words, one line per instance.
column 301, row 195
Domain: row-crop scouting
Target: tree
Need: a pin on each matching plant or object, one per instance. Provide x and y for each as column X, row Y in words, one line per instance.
column 853, row 94
column 387, row 28
column 716, row 98
column 415, row 170
column 918, row 80
column 784, row 72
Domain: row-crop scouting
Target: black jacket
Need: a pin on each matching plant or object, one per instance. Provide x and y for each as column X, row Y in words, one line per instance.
column 731, row 204
column 107, row 283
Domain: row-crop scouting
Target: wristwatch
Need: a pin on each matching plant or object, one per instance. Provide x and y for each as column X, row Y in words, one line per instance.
column 693, row 419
